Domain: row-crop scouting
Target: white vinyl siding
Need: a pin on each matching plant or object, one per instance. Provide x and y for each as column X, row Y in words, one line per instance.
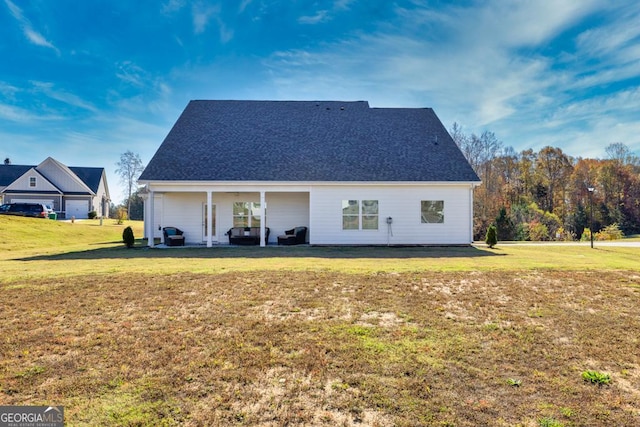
column 319, row 207
column 400, row 202
column 25, row 183
column 61, row 177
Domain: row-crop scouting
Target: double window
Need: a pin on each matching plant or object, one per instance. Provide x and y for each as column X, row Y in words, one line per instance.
column 246, row 214
column 360, row 214
column 432, row 211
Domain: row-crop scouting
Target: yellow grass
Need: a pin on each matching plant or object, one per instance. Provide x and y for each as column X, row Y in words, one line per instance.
column 306, row 336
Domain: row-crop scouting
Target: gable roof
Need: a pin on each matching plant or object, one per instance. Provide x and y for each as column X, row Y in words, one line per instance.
column 87, row 177
column 9, row 173
column 90, row 176
column 307, row 141
column 22, row 184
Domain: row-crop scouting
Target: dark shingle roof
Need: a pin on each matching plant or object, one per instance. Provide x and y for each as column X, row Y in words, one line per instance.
column 9, row 173
column 306, row 141
column 90, row 176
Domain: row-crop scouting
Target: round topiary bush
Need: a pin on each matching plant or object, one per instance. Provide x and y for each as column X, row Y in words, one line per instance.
column 128, row 238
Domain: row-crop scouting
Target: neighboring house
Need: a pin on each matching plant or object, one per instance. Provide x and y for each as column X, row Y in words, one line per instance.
column 352, row 174
column 70, row 191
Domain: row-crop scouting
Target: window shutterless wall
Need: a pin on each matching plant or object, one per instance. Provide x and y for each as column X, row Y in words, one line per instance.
column 401, row 202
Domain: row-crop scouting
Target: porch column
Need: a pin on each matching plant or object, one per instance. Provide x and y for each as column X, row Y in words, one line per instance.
column 151, row 227
column 263, row 219
column 209, row 219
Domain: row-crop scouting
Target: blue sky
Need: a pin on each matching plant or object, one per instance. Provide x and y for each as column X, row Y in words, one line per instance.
column 85, row 81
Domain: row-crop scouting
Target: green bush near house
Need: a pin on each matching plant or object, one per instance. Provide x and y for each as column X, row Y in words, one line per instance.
column 128, row 237
column 492, row 236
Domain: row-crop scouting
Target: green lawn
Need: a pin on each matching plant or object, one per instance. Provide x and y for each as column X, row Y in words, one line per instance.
column 46, row 248
column 306, row 336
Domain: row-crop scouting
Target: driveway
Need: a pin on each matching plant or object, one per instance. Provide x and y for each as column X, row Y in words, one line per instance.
column 596, row 243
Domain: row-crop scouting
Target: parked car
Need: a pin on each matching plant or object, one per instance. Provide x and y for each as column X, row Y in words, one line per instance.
column 37, row 210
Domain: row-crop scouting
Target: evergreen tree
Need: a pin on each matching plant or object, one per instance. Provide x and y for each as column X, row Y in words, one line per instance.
column 492, row 236
column 505, row 226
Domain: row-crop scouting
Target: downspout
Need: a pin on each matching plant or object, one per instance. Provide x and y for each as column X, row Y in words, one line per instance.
column 473, row 186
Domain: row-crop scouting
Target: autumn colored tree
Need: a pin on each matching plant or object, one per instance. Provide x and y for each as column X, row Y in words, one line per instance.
column 544, row 194
column 553, row 169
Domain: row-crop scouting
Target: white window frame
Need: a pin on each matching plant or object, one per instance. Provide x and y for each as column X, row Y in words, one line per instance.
column 252, row 217
column 358, row 215
column 432, row 209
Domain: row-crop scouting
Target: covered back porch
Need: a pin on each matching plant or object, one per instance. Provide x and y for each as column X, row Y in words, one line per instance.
column 206, row 214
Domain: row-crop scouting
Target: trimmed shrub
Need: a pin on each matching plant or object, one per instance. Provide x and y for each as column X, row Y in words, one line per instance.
column 127, row 237
column 93, row 214
column 492, row 236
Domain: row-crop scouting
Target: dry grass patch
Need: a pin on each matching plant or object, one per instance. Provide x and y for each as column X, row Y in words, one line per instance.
column 275, row 348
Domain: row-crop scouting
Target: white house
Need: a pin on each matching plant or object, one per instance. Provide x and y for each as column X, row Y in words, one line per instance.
column 70, row 191
column 352, row 174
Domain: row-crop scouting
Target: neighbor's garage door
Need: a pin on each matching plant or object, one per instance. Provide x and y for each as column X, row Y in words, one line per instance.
column 77, row 208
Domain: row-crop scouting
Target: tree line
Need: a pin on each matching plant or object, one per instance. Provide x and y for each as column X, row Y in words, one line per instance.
column 527, row 195
column 550, row 195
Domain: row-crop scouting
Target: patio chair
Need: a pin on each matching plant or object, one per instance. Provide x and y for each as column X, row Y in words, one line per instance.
column 295, row 236
column 173, row 236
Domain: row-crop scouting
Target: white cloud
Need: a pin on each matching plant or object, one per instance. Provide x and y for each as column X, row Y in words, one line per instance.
column 15, row 10
column 172, row 6
column 8, row 91
column 610, row 38
column 71, row 99
column 131, row 73
column 243, row 5
column 38, row 39
column 16, row 114
column 486, row 67
column 342, row 4
column 320, row 16
column 326, row 15
column 30, row 33
column 202, row 14
column 528, row 23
